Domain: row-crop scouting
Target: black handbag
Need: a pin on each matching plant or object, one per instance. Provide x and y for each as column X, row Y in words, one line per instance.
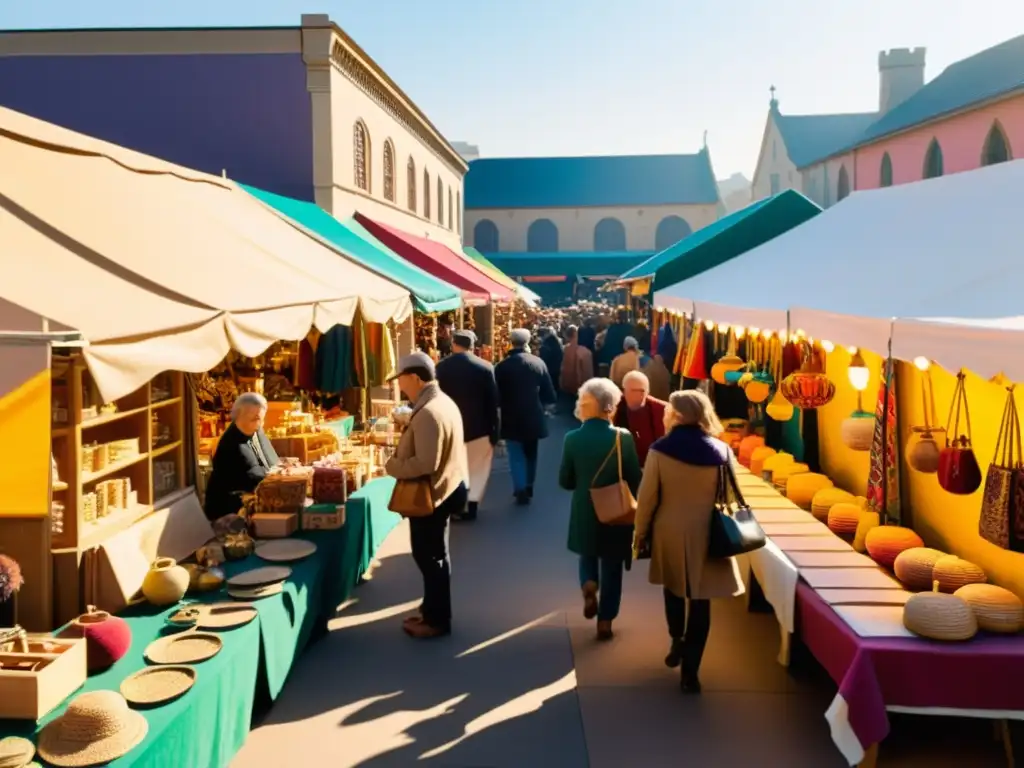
column 734, row 531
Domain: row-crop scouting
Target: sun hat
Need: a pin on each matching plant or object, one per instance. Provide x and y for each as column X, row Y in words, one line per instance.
column 97, row 727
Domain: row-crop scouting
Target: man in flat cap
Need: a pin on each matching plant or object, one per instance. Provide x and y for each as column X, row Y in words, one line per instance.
column 524, row 389
column 469, row 381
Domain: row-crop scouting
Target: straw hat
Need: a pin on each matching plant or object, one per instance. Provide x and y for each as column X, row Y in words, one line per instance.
column 16, row 752
column 97, row 727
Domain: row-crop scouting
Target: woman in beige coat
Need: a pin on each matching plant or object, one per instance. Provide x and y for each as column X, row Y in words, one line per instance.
column 677, row 495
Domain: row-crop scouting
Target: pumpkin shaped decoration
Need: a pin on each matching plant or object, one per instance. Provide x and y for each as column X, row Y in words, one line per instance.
column 809, row 387
column 780, row 477
column 802, row 487
column 869, row 520
column 951, row 573
column 757, row 459
column 843, row 518
column 747, row 446
column 774, row 463
column 914, row 566
column 885, row 542
column 858, row 431
column 995, row 608
column 824, row 498
column 759, row 387
column 779, row 409
column 938, row 616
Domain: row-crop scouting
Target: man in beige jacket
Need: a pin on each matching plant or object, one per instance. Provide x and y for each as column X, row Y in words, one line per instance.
column 628, row 361
column 431, row 447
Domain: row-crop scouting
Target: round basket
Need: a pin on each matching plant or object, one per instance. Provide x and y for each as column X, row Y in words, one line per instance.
column 157, row 685
column 858, row 431
column 843, row 518
column 802, row 487
column 747, row 447
column 951, row 573
column 995, row 608
column 914, row 566
column 885, row 542
column 780, row 477
column 757, row 459
column 823, row 500
column 773, row 463
column 940, row 617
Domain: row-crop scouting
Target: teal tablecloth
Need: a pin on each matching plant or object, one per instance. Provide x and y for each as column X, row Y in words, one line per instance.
column 341, row 427
column 368, row 521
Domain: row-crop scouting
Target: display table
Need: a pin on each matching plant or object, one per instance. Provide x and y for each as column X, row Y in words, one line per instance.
column 879, row 666
column 368, row 521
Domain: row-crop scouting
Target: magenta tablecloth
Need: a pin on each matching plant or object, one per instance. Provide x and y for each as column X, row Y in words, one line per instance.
column 873, row 673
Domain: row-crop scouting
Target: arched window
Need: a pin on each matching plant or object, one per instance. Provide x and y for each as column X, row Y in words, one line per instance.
column 485, row 236
column 410, row 172
column 885, row 172
column 542, row 237
column 670, row 231
column 361, row 155
column 389, row 171
column 933, row 161
column 609, row 235
column 842, row 184
column 997, row 148
column 426, row 193
column 440, row 201
column 451, row 211
column 458, row 212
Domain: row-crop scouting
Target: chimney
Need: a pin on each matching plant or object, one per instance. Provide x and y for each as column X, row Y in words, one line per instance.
column 900, row 75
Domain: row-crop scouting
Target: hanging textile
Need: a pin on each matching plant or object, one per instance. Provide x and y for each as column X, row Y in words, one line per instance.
column 335, row 370
column 305, row 364
column 883, row 491
column 667, row 346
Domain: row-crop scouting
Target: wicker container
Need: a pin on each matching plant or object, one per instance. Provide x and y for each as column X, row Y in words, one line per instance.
column 923, row 449
column 802, row 487
column 939, row 616
column 825, row 498
column 281, row 494
column 780, row 477
column 858, row 431
column 995, row 608
column 951, row 573
column 757, row 459
column 885, row 542
column 772, row 463
column 844, row 517
column 747, row 447
column 869, row 520
column 914, row 566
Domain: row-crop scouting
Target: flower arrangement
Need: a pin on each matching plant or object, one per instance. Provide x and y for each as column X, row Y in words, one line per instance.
column 11, row 579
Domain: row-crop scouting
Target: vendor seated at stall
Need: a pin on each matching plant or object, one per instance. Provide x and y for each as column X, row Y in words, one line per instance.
column 244, row 456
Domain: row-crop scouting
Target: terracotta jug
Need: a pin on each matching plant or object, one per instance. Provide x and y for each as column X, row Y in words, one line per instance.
column 107, row 637
column 166, row 582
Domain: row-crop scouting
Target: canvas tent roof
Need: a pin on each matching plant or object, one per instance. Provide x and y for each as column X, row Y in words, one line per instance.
column 932, row 249
column 158, row 266
column 485, row 264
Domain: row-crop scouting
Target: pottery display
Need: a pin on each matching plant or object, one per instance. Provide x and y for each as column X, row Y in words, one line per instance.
column 166, row 582
column 107, row 638
column 203, row 579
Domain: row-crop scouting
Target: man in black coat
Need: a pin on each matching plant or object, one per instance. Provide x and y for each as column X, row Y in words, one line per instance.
column 525, row 389
column 469, row 381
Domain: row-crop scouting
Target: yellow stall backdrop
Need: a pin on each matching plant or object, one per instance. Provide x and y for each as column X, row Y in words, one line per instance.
column 24, row 431
column 944, row 520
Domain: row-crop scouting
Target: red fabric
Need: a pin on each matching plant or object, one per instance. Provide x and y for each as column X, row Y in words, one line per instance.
column 646, row 424
column 439, row 260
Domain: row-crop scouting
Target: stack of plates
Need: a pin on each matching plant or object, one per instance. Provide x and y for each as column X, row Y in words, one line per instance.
column 259, row 582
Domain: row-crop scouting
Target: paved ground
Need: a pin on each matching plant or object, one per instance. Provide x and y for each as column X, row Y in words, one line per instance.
column 521, row 683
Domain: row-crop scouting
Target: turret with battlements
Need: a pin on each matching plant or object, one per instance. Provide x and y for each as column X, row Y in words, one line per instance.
column 900, row 74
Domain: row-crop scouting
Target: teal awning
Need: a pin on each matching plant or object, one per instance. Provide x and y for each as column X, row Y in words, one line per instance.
column 725, row 239
column 428, row 292
column 568, row 263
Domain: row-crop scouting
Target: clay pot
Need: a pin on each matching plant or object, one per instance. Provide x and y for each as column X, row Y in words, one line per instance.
column 107, row 638
column 166, row 582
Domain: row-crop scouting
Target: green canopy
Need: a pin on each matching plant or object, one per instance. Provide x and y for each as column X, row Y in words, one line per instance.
column 567, row 263
column 725, row 239
column 428, row 292
column 524, row 293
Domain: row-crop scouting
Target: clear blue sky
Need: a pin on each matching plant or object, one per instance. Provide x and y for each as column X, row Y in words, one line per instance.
column 555, row 77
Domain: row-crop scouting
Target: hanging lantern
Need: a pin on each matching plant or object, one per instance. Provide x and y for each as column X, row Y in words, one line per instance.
column 858, row 431
column 759, row 388
column 745, row 379
column 779, row 409
column 732, row 378
column 725, row 365
column 809, row 387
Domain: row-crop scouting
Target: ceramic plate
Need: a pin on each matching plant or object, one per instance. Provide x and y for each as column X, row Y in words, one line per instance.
column 256, row 593
column 217, row 616
column 260, row 577
column 285, row 550
column 157, row 685
column 186, row 648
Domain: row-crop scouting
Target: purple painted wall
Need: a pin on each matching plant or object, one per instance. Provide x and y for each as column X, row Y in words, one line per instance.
column 246, row 113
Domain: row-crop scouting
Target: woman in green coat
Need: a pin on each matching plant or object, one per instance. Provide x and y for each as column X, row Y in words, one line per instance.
column 604, row 550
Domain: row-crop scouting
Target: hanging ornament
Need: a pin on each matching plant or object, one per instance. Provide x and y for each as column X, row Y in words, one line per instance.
column 759, row 387
column 728, row 363
column 779, row 409
column 809, row 387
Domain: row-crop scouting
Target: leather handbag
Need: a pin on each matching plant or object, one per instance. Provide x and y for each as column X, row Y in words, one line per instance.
column 958, row 471
column 613, row 504
column 1002, row 481
column 734, row 530
column 412, row 498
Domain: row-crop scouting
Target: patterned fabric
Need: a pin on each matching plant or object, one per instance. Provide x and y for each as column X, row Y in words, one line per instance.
column 884, row 479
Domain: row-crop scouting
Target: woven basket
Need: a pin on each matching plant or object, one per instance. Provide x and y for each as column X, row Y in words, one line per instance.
column 843, row 518
column 914, row 566
column 773, row 463
column 780, row 477
column 758, row 457
column 869, row 520
column 951, row 573
column 885, row 542
column 825, row 498
column 747, row 447
column 858, row 431
column 802, row 488
column 995, row 608
column 940, row 617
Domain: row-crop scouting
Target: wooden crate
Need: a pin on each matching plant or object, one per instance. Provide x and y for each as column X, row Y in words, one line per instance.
column 33, row 695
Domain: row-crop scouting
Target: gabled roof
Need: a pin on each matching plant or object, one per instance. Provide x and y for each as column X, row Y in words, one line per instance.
column 810, row 138
column 983, row 76
column 580, row 182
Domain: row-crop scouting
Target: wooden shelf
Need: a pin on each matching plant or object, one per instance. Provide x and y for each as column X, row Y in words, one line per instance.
column 108, row 418
column 60, row 485
column 91, row 477
column 165, row 449
column 165, row 403
column 95, row 533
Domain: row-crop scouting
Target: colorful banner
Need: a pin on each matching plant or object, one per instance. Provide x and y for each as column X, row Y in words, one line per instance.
column 884, row 479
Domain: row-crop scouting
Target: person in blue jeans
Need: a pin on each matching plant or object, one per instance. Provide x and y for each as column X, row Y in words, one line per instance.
column 589, row 460
column 525, row 391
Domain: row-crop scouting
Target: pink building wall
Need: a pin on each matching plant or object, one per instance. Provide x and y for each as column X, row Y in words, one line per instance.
column 961, row 137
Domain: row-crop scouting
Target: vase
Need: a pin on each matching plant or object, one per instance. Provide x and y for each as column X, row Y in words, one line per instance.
column 166, row 582
column 107, row 638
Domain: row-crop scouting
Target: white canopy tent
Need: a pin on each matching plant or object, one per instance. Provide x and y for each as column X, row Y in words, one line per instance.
column 940, row 248
column 160, row 267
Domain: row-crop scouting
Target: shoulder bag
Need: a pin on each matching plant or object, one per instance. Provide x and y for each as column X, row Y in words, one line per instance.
column 734, row 531
column 613, row 504
column 412, row 498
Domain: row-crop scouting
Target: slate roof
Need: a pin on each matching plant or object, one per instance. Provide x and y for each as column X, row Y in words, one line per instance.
column 581, row 182
column 811, row 138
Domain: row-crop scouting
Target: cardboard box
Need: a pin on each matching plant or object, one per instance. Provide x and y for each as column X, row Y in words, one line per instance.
column 323, row 517
column 275, row 525
column 31, row 695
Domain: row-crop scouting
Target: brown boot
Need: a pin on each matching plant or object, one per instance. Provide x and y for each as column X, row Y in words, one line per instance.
column 590, row 600
column 604, row 630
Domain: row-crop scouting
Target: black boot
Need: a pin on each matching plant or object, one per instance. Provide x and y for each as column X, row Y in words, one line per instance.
column 469, row 514
column 529, row 491
column 522, row 498
column 689, row 681
column 675, row 654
